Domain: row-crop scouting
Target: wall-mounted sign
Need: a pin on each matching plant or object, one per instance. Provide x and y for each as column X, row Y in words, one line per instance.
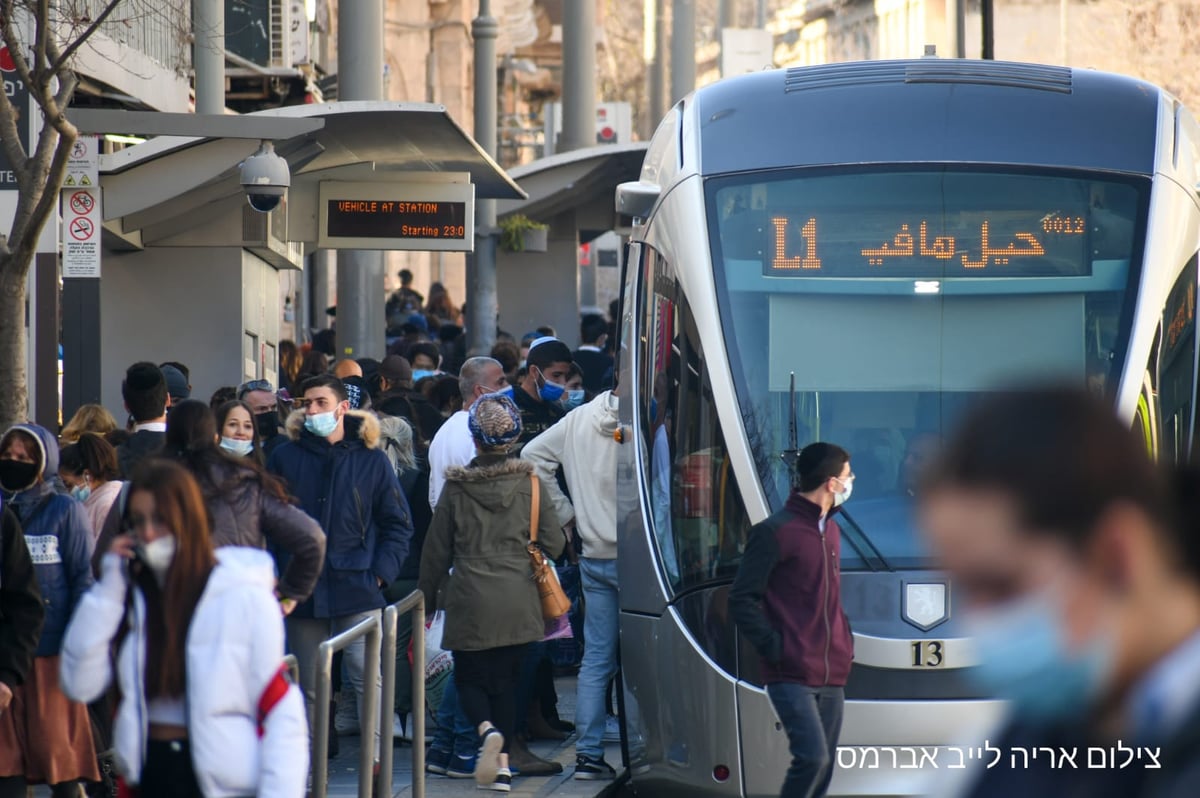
column 406, row 216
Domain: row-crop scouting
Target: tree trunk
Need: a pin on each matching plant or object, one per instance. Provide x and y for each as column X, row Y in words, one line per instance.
column 13, row 387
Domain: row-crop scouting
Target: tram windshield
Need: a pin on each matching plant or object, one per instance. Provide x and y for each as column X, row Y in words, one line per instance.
column 897, row 298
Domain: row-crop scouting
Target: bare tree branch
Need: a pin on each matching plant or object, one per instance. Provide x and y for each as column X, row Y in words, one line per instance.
column 26, row 245
column 87, row 33
column 41, row 19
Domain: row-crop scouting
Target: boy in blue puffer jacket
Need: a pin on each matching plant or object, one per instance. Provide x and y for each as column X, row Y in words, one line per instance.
column 44, row 737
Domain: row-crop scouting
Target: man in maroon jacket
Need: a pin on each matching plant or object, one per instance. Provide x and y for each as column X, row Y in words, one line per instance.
column 786, row 599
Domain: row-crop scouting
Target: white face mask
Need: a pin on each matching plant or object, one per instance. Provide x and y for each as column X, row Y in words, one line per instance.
column 158, row 555
column 847, row 488
column 237, row 447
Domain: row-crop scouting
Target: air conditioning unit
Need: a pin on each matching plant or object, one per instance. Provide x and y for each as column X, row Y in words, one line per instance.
column 261, row 31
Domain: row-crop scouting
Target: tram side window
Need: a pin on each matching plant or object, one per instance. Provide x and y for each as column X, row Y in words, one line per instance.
column 1177, row 366
column 700, row 520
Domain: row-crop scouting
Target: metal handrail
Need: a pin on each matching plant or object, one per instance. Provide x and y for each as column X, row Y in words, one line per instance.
column 414, row 602
column 369, row 628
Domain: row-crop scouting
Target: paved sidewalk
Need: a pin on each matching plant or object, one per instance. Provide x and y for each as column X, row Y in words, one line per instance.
column 343, row 769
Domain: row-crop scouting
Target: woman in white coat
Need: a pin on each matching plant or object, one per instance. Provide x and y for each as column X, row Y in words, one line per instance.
column 206, row 709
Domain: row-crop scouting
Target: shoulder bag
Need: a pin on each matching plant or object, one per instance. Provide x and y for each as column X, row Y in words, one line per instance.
column 555, row 603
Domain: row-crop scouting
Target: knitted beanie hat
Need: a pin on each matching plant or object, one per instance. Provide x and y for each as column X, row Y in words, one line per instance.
column 494, row 421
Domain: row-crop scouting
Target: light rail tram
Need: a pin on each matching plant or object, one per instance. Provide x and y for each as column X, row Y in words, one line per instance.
column 903, row 237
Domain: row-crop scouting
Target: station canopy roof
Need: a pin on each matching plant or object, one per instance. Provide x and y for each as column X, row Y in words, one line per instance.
column 583, row 180
column 169, row 179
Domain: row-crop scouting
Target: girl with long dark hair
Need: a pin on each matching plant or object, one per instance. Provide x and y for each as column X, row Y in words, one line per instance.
column 205, row 709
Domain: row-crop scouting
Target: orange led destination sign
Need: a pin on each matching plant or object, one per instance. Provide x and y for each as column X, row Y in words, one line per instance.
column 415, row 215
column 975, row 244
column 396, row 219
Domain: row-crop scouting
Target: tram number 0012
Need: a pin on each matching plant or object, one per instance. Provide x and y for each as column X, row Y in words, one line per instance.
column 928, row 654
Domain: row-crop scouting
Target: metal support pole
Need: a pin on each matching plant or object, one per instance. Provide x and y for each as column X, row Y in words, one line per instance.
column 760, row 15
column 414, row 603
column 658, row 68
column 371, row 628
column 726, row 15
column 360, row 321
column 482, row 312
column 208, row 55
column 81, row 343
column 579, row 75
column 956, row 28
column 987, row 12
column 683, row 48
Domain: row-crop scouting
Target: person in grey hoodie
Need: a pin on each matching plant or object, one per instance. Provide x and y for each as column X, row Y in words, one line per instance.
column 583, row 444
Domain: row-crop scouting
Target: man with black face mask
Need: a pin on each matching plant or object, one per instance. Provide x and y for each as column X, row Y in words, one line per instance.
column 264, row 404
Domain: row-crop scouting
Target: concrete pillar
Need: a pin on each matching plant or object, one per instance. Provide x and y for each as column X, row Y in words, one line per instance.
column 579, row 75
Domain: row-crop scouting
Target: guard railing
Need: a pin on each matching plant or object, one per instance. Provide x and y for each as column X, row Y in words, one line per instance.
column 413, row 603
column 381, row 647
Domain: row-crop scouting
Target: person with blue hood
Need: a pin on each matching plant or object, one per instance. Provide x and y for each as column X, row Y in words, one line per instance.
column 45, row 738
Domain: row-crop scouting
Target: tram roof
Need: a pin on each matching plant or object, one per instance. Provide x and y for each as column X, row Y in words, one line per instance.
column 928, row 110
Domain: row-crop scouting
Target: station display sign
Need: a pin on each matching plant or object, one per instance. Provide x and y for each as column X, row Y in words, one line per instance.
column 422, row 216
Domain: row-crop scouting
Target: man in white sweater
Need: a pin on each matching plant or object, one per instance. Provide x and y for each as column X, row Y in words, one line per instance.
column 583, row 443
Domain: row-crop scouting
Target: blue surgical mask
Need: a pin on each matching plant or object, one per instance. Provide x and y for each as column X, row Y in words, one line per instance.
column 550, row 391
column 237, row 447
column 1023, row 657
column 507, row 390
column 573, row 399
column 81, row 492
column 420, row 374
column 321, row 424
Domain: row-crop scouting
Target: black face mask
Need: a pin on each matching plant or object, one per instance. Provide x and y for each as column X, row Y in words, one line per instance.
column 16, row 476
column 267, row 424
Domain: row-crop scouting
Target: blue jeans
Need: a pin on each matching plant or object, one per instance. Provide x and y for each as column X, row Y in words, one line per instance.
column 455, row 734
column 812, row 718
column 600, row 632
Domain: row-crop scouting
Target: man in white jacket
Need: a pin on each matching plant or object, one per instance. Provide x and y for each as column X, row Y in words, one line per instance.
column 584, row 444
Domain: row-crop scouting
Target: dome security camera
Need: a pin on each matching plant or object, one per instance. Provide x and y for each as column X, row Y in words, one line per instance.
column 265, row 178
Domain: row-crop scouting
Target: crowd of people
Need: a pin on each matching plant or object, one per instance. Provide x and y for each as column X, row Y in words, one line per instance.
column 155, row 573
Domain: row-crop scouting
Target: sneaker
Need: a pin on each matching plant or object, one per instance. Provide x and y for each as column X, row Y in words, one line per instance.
column 345, row 721
column 488, row 763
column 399, row 732
column 461, row 767
column 437, row 762
column 503, row 782
column 588, row 769
column 612, row 730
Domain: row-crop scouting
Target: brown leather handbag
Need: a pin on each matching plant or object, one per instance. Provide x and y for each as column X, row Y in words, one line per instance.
column 555, row 603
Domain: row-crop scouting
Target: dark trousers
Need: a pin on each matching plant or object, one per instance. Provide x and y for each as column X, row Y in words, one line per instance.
column 812, row 719
column 536, row 683
column 168, row 771
column 487, row 686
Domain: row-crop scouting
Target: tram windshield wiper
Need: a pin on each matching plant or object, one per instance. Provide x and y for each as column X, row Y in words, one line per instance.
column 867, row 551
